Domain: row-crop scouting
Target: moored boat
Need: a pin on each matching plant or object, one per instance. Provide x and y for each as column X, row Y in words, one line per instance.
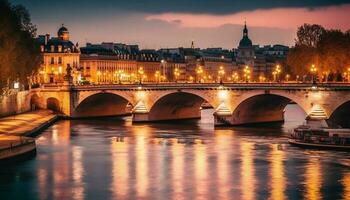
column 321, row 138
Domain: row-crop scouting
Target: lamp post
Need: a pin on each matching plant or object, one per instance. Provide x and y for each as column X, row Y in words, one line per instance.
column 176, row 74
column 235, row 77
column 157, row 76
column 221, row 73
column 277, row 72
column 199, row 72
column 98, row 76
column 140, row 71
column 246, row 72
column 313, row 71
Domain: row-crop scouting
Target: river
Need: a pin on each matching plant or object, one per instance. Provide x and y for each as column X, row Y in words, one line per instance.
column 111, row 159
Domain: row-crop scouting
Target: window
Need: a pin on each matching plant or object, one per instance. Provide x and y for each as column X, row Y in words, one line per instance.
column 59, row 60
column 59, row 48
column 42, row 48
column 52, row 60
column 52, row 48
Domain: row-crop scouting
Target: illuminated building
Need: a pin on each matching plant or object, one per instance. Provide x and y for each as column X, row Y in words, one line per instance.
column 58, row 53
column 261, row 59
column 119, row 63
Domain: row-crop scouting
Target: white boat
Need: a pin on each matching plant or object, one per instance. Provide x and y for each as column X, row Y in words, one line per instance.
column 322, row 138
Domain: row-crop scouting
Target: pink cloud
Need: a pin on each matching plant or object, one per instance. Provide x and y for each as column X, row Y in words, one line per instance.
column 336, row 17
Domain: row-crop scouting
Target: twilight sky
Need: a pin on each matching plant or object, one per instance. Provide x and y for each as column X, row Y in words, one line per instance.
column 174, row 23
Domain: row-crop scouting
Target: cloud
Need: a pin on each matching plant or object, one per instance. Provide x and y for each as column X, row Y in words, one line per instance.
column 166, row 6
column 285, row 18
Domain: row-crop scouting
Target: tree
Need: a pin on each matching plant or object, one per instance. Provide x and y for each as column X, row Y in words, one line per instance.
column 19, row 52
column 329, row 50
column 309, row 35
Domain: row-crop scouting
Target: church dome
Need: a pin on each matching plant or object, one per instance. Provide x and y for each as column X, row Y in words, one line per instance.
column 63, row 33
column 245, row 42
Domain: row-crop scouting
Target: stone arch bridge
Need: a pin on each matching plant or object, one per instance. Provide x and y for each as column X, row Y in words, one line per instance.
column 234, row 104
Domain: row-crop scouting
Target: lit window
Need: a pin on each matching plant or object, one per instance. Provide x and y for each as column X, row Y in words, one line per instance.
column 52, row 48
column 59, row 48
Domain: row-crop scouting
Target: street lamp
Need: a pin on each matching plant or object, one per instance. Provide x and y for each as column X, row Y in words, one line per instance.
column 98, row 76
column 199, row 71
column 262, row 78
column 141, row 72
column 176, row 74
column 287, row 77
column 313, row 71
column 221, row 73
column 246, row 72
column 235, row 77
column 277, row 72
column 157, row 75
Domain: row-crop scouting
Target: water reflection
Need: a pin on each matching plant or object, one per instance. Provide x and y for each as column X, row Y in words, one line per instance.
column 106, row 159
column 278, row 182
column 223, row 150
column 313, row 179
column 346, row 184
column 120, row 167
column 248, row 179
column 178, row 165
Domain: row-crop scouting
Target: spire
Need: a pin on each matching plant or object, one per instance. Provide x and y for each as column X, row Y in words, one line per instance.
column 245, row 30
column 192, row 44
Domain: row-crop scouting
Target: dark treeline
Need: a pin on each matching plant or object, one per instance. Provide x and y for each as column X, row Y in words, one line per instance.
column 328, row 50
column 19, row 53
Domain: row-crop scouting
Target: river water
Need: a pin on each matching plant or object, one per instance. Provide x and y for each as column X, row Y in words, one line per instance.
column 110, row 159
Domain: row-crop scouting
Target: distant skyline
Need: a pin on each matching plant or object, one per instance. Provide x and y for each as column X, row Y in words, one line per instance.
column 163, row 24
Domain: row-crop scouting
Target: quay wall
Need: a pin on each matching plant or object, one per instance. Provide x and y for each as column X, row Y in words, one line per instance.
column 14, row 103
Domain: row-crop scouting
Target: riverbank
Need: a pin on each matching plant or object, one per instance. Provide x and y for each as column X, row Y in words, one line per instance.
column 14, row 129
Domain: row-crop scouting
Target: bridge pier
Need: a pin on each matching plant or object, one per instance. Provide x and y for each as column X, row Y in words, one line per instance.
column 140, row 117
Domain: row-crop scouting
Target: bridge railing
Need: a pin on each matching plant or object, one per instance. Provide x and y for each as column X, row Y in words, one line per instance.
column 251, row 85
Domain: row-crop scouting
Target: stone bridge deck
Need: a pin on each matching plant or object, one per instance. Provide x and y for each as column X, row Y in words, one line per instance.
column 234, row 103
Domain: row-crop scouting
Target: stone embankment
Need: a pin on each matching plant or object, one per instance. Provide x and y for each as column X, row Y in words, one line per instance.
column 15, row 129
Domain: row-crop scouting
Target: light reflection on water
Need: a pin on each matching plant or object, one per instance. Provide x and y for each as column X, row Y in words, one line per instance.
column 106, row 159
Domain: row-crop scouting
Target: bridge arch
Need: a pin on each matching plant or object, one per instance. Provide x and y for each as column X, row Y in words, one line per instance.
column 34, row 102
column 263, row 108
column 101, row 104
column 177, row 105
column 340, row 116
column 53, row 104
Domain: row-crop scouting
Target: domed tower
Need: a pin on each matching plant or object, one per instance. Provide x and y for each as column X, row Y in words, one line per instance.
column 245, row 41
column 63, row 33
column 245, row 53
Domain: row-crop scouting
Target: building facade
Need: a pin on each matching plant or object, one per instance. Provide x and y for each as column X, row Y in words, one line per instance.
column 58, row 54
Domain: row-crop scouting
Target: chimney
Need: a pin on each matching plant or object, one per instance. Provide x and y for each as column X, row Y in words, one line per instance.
column 47, row 37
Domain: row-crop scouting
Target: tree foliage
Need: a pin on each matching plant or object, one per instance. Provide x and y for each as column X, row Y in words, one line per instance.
column 328, row 50
column 19, row 52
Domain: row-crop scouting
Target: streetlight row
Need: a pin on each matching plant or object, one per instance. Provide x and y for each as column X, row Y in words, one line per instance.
column 247, row 74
